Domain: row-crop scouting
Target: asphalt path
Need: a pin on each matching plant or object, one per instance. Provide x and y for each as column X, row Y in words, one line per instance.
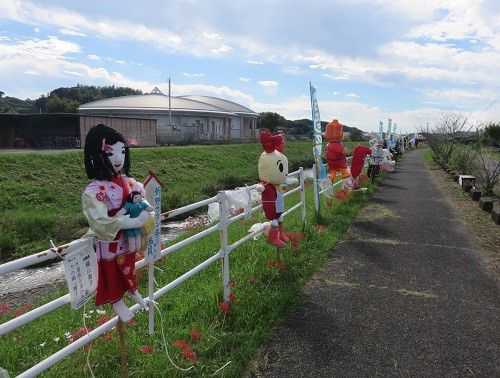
column 405, row 294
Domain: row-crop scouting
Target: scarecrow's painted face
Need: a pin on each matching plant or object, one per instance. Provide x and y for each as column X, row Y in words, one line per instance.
column 116, row 156
column 273, row 167
column 137, row 198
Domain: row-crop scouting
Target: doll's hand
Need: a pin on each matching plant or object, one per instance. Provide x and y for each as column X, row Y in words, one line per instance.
column 138, row 222
column 260, row 188
column 121, row 212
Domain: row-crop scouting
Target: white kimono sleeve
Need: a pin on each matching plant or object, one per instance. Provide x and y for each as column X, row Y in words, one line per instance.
column 96, row 212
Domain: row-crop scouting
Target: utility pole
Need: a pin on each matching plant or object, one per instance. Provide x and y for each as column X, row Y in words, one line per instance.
column 169, row 103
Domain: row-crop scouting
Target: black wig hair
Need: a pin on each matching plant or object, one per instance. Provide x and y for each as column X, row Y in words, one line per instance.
column 130, row 197
column 97, row 164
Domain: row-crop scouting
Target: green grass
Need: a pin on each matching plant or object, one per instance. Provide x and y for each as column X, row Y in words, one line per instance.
column 264, row 296
column 40, row 193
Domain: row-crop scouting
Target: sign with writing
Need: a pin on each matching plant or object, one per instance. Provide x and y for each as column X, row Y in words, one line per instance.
column 317, row 135
column 153, row 188
column 80, row 266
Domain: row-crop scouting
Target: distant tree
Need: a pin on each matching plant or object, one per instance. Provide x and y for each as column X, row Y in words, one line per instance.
column 492, row 134
column 270, row 121
column 1, row 94
column 56, row 104
column 356, row 134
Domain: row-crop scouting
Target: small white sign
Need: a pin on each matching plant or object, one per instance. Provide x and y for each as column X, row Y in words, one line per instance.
column 80, row 266
column 153, row 196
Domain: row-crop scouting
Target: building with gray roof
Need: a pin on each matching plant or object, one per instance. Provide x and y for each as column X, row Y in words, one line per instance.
column 189, row 119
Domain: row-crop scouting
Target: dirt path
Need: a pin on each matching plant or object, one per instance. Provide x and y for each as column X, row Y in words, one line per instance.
column 406, row 294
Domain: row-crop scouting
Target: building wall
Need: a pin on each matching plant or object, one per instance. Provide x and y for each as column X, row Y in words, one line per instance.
column 191, row 128
column 141, row 129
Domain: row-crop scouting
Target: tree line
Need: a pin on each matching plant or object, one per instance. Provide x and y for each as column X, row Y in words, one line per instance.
column 62, row 100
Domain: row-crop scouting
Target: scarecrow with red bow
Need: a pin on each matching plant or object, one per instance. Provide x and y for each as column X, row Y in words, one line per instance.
column 273, row 170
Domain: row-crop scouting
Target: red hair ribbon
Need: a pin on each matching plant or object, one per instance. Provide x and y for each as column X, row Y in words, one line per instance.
column 106, row 147
column 130, row 142
column 272, row 142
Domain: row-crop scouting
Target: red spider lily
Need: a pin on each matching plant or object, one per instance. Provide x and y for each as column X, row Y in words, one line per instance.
column 131, row 322
column 107, row 336
column 252, row 279
column 22, row 310
column 195, row 335
column 232, row 298
column 270, row 263
column 26, row 307
column 294, row 239
column 140, row 276
column 183, row 344
column 102, row 320
column 281, row 266
column 225, row 307
column 329, row 203
column 308, row 185
column 146, row 349
column 320, row 226
column 79, row 333
column 189, row 355
column 342, row 194
column 4, row 308
column 17, row 313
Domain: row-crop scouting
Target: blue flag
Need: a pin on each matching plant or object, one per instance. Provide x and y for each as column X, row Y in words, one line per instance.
column 317, row 136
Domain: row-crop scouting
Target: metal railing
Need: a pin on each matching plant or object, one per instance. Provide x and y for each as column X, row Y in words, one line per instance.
column 225, row 220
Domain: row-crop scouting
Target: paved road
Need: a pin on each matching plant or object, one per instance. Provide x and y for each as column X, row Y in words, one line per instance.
column 405, row 294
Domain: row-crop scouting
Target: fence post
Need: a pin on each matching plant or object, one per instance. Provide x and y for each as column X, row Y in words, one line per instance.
column 302, row 195
column 223, row 217
column 316, row 189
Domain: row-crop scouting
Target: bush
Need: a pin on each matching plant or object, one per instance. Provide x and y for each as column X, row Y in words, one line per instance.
column 464, row 160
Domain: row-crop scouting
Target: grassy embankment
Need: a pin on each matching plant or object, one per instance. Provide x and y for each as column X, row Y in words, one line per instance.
column 263, row 296
column 40, row 193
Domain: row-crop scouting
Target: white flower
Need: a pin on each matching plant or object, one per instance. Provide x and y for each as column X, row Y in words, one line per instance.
column 56, row 339
column 43, row 344
column 67, row 335
column 86, row 316
column 100, row 312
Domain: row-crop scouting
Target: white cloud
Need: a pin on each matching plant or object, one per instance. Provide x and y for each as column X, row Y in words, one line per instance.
column 357, row 114
column 292, row 70
column 336, row 93
column 332, row 76
column 93, row 57
column 268, row 83
column 196, row 74
column 256, row 62
column 52, row 58
column 194, row 41
column 72, row 32
column 270, row 86
column 352, row 95
column 36, row 30
column 244, row 79
column 74, row 73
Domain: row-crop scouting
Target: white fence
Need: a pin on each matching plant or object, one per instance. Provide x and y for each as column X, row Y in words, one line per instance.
column 225, row 220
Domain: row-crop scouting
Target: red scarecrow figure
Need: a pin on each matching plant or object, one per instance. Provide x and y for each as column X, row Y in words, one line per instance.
column 335, row 151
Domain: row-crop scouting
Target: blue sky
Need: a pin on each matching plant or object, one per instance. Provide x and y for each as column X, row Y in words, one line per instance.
column 369, row 59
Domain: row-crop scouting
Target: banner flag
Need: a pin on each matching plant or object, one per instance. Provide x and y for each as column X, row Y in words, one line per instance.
column 317, row 136
column 380, row 129
column 389, row 124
